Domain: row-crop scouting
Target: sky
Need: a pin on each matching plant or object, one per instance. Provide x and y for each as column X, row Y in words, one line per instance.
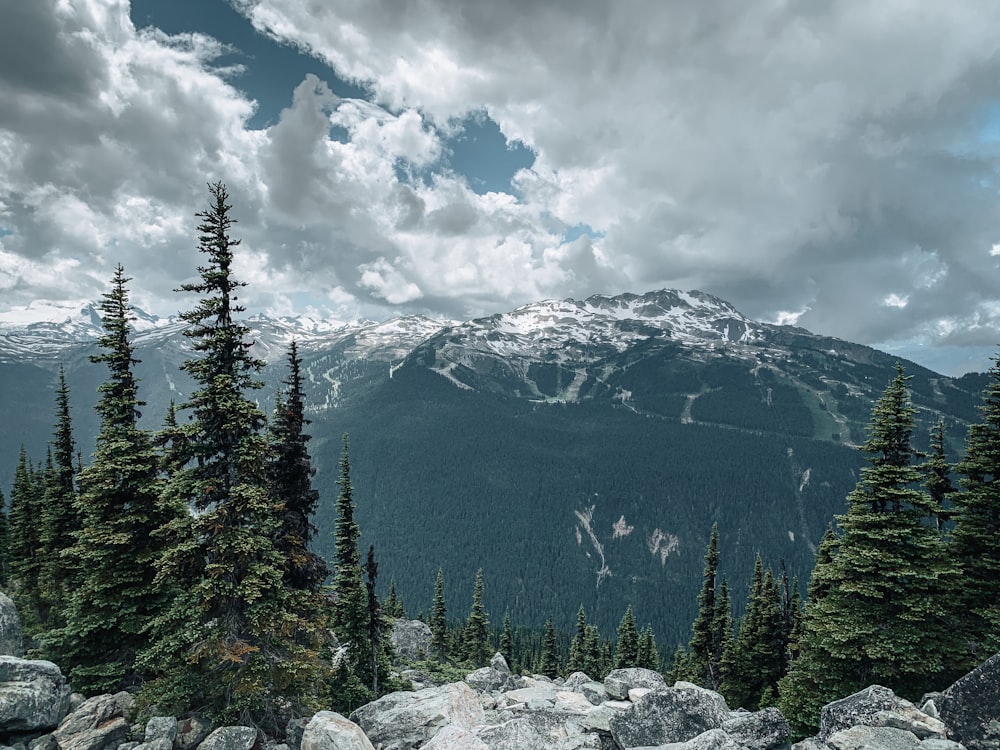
column 831, row 165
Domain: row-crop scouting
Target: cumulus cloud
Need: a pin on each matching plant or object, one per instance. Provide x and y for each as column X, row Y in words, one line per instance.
column 831, row 165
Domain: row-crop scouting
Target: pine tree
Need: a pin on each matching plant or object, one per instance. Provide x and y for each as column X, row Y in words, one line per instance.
column 648, row 654
column 4, row 544
column 596, row 666
column 439, row 620
column 59, row 521
column 549, row 662
column 507, row 641
column 119, row 508
column 25, row 545
column 380, row 647
column 228, row 645
column 476, row 646
column 975, row 538
column 290, row 470
column 578, row 646
column 705, row 648
column 937, row 474
column 627, row 647
column 394, row 603
column 881, row 614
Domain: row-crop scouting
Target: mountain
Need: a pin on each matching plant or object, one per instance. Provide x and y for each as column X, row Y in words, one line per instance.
column 577, row 451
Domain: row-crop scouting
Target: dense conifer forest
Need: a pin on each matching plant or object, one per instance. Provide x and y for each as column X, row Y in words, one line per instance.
column 185, row 563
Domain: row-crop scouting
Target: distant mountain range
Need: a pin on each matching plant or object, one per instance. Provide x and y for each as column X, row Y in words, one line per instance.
column 577, row 451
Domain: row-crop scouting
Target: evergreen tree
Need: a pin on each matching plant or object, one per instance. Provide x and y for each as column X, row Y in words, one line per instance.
column 439, row 620
column 881, row 614
column 937, row 474
column 119, row 509
column 350, row 620
column 507, row 641
column 476, row 646
column 627, row 648
column 394, row 603
column 705, row 649
column 228, row 646
column 291, row 472
column 578, row 646
column 975, row 538
column 549, row 662
column 4, row 544
column 24, row 549
column 648, row 655
column 596, row 666
column 380, row 647
column 59, row 522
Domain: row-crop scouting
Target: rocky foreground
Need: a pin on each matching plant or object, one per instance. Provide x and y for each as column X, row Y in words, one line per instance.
column 493, row 709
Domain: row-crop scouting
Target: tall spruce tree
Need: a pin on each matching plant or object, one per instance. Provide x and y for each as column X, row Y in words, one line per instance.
column 59, row 521
column 4, row 544
column 25, row 545
column 937, row 474
column 227, row 646
column 507, row 640
column 549, row 661
column 648, row 653
column 627, row 646
column 439, row 620
column 882, row 615
column 578, row 646
column 705, row 650
column 476, row 636
column 116, row 550
column 975, row 539
column 290, row 469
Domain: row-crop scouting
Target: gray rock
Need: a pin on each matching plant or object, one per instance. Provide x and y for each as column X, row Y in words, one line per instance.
column 404, row 720
column 811, row 743
column 191, row 731
column 159, row 743
column 131, row 745
column 294, row 730
column 575, row 680
column 161, row 727
column 33, row 695
column 675, row 714
column 45, row 742
column 713, row 739
column 533, row 697
column 935, row 743
column 411, row 638
column 873, row 738
column 760, row 730
column 516, row 734
column 455, row 738
column 971, row 707
column 620, row 681
column 328, row 730
column 99, row 723
column 594, row 692
column 230, row 738
column 495, row 677
column 11, row 636
column 877, row 706
column 586, row 741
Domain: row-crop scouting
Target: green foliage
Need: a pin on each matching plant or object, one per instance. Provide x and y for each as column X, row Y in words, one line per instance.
column 648, row 656
column 578, row 646
column 476, row 638
column 880, row 612
column 507, row 640
column 439, row 620
column 549, row 662
column 4, row 544
column 705, row 650
column 24, row 529
column 975, row 538
column 627, row 645
column 394, row 606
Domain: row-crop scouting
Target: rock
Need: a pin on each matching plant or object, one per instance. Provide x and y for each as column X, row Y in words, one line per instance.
column 675, row 714
column 455, row 738
column 33, row 695
column 532, row 697
column 45, row 742
column 516, row 734
column 11, row 636
column 495, row 677
column 594, row 692
column 760, row 730
column 404, row 720
column 934, row 743
column 810, row 743
column 294, row 730
column 587, row 741
column 567, row 700
column 575, row 680
column 191, row 732
column 636, row 693
column 877, row 706
column 160, row 743
column 230, row 738
column 873, row 738
column 328, row 730
column 99, row 723
column 971, row 706
column 161, row 727
column 411, row 639
column 620, row 681
column 713, row 739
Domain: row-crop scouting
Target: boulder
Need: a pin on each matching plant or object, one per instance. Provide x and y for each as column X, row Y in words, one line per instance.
column 713, row 739
column 516, row 734
column 191, row 731
column 160, row 743
column 760, row 730
column 294, row 730
column 676, row 714
column 620, row 681
column 411, row 639
column 971, row 706
column 455, row 738
column 328, row 730
column 161, row 727
column 873, row 738
column 230, row 738
column 594, row 692
column 404, row 720
column 533, row 697
column 877, row 706
column 495, row 677
column 11, row 637
column 99, row 723
column 575, row 680
column 33, row 695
